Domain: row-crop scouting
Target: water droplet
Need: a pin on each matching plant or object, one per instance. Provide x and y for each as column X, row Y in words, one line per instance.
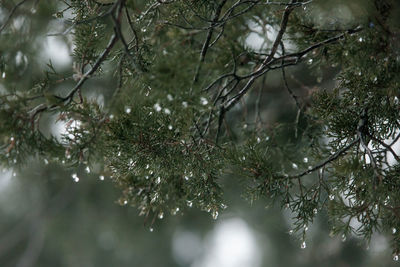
column 359, row 73
column 375, row 79
column 294, row 166
column 75, row 177
column 3, row 75
column 310, row 61
column 169, row 97
column 175, row 211
column 245, row 126
column 151, row 229
column 167, row 111
column 189, row 203
column 396, row 257
column 361, row 39
column 46, row 162
column 376, row 207
column 305, row 228
column 267, row 138
column 111, row 116
column 243, row 158
column 185, row 104
column 331, row 197
column 394, row 230
column 160, row 215
column 291, row 232
column 14, row 174
column 101, row 177
column 224, row 206
column 303, row 245
column 87, row 169
column 125, row 202
column 203, row 101
column 157, row 107
column 315, row 211
column 258, row 140
column 170, row 127
column 144, row 29
column 158, row 180
column 186, row 178
column 304, row 7
column 286, row 205
column 128, row 110
column 305, row 160
column 215, row 214
column 343, row 238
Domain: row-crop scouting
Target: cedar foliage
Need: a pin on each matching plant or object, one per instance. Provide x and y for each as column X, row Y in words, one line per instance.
column 185, row 107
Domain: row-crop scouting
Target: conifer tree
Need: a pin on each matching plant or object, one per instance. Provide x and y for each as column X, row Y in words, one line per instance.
column 185, row 103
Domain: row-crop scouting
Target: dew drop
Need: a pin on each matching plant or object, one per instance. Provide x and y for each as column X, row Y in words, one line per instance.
column 310, row 61
column 396, row 257
column 87, row 169
column 303, row 245
column 158, row 180
column 203, row 101
column 101, row 177
column 315, row 211
column 175, row 211
column 343, row 238
column 151, row 229
column 305, row 160
column 75, row 177
column 169, row 97
column 291, row 232
column 190, row 203
column 215, row 214
column 170, row 127
column 167, row 111
column 186, row 178
column 185, row 104
column 394, row 230
column 305, row 228
column 361, row 39
column 160, row 215
column 331, row 197
column 128, row 110
column 157, row 107
column 3, row 75
column 46, row 162
column 125, row 202
column 294, row 166
column 258, row 140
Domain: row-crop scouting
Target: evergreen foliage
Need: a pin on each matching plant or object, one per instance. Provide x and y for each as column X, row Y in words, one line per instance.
column 185, row 106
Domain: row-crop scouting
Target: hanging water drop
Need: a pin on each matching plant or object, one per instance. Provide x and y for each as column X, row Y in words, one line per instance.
column 305, row 160
column 151, row 229
column 203, row 101
column 158, row 180
column 87, row 169
column 101, row 177
column 394, row 230
column 175, row 211
column 315, row 211
column 310, row 61
column 215, row 214
column 189, row 203
column 75, row 177
column 125, row 202
column 170, row 127
column 291, row 232
column 3, row 75
column 344, row 238
column 258, row 140
column 128, row 110
column 160, row 215
column 294, row 166
column 303, row 245
column 396, row 257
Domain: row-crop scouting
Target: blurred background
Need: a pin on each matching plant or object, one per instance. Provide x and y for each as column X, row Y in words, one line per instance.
column 49, row 219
